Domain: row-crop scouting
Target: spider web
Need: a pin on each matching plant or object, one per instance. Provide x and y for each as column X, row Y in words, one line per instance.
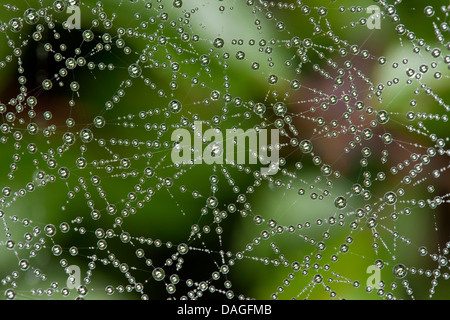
column 86, row 137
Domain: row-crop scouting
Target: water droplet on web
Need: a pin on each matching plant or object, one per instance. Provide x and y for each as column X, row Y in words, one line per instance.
column 423, row 251
column 429, row 11
column 74, row 86
column 204, row 60
column 390, row 198
column 15, row 25
column 47, row 84
column 280, row 109
column 379, row 264
column 183, row 248
column 48, row 115
column 371, row 223
column 59, row 5
column 273, row 79
column 382, row 117
column 344, row 248
column 24, row 264
column 175, row 106
column 158, row 274
column 99, row 122
column 88, row 35
column 50, row 230
column 57, row 250
column 400, row 271
column 6, row 191
column 86, row 135
column 218, row 43
column 32, row 128
column 240, row 55
column 212, row 202
column 280, row 26
column 135, row 70
column 295, row 84
column 171, row 288
column 259, row 108
column 10, row 294
column 306, row 146
column 340, row 202
column 387, row 138
column 178, row 3
column 64, row 173
column 318, row 278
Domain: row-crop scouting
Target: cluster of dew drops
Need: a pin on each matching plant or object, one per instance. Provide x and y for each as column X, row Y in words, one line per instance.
column 25, row 102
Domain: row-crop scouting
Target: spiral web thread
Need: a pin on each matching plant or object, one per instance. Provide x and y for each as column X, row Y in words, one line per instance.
column 87, row 117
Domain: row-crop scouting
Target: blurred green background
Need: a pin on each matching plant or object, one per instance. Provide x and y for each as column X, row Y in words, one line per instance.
column 160, row 211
